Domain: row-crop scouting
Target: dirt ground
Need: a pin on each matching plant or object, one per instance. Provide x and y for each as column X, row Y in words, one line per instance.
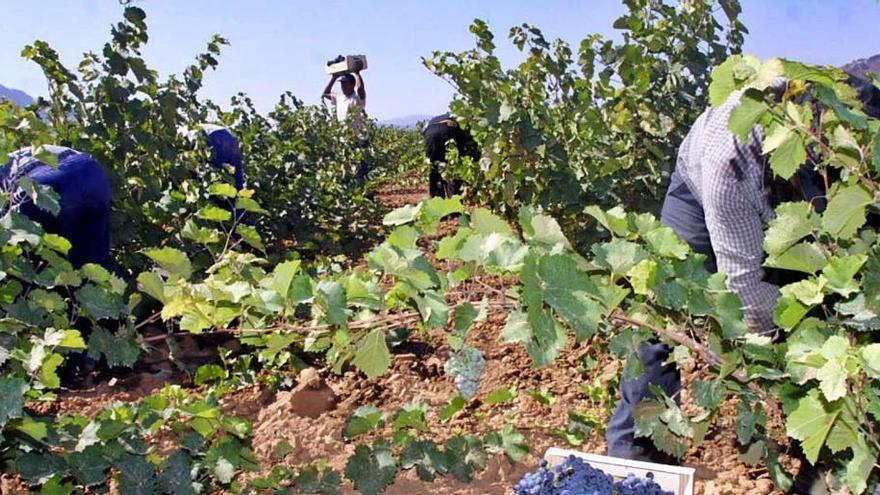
column 417, row 376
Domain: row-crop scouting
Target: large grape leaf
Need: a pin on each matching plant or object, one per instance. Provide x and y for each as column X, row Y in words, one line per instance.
column 365, row 419
column 509, row 441
column 804, row 257
column 464, row 454
column 567, row 291
column 12, row 390
column 845, row 213
column 372, row 356
column 744, row 117
column 425, row 457
column 811, row 422
column 841, row 273
column 790, row 155
column 792, row 223
column 117, row 350
column 176, row 477
column 372, row 470
column 171, row 260
column 619, row 255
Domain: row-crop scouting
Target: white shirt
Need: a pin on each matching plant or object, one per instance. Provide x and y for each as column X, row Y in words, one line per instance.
column 345, row 104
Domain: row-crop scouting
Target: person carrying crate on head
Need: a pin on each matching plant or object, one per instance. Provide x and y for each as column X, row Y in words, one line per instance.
column 350, row 107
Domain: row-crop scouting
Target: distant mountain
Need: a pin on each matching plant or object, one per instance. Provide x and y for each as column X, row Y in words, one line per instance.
column 863, row 65
column 16, row 96
column 406, row 122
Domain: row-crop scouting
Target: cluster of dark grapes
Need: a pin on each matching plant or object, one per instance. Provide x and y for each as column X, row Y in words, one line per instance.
column 572, row 477
column 576, row 477
column 633, row 485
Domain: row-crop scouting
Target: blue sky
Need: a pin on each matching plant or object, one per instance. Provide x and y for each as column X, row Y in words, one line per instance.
column 282, row 45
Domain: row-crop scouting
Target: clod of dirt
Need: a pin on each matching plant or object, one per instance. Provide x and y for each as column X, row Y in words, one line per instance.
column 312, row 397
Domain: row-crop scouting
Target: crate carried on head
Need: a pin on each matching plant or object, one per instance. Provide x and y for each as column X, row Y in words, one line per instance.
column 344, row 65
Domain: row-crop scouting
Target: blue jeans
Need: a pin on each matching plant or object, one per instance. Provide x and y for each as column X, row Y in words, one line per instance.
column 620, row 433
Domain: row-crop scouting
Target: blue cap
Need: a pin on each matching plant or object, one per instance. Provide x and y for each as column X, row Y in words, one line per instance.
column 346, row 78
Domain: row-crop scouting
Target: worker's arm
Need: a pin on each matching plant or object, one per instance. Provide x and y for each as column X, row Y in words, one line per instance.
column 736, row 216
column 328, row 90
column 359, row 86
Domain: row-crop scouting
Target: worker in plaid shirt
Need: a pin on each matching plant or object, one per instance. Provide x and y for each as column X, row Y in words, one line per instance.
column 720, row 200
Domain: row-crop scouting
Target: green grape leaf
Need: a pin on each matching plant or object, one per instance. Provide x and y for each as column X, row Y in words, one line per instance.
column 506, row 394
column 18, row 228
column 665, row 242
column 845, row 431
column 57, row 243
column 152, row 284
column 860, row 317
column 790, row 155
column 372, row 356
column 789, row 312
column 805, row 257
column 567, row 291
column 832, row 379
column 171, row 260
column 485, row 222
column 840, row 274
column 214, row 214
column 870, row 355
column 136, row 476
column 12, row 389
column 708, row 394
column 402, row 215
column 371, row 470
column 463, row 455
column 809, row 292
column 425, row 457
column 792, row 223
column 176, row 476
column 89, row 466
column 859, row 468
column 118, row 351
column 456, row 405
column 99, row 303
column 744, row 117
column 542, row 229
column 36, row 466
column 249, row 205
column 508, row 441
column 811, row 422
column 208, row 373
column 364, row 420
column 48, row 375
column 619, row 255
column 614, row 220
column 723, row 81
column 223, row 190
column 250, row 235
column 332, row 299
column 411, row 416
column 845, row 213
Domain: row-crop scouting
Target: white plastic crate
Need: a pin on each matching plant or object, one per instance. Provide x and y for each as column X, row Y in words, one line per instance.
column 350, row 64
column 679, row 480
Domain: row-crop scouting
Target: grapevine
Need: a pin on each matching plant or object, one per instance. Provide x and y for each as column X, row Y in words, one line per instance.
column 553, row 250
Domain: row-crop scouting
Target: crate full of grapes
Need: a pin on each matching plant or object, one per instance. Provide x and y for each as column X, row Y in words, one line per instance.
column 568, row 471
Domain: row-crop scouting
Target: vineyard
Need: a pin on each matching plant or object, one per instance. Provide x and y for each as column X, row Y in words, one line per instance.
column 313, row 332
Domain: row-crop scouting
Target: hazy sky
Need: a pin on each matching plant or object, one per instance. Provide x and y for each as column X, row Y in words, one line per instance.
column 282, row 45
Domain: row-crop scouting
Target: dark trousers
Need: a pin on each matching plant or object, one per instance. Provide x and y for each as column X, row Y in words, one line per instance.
column 364, row 166
column 620, row 433
column 438, row 187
